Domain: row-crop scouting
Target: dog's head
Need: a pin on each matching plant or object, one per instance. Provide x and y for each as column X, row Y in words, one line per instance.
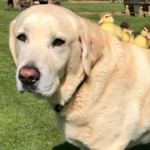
column 48, row 43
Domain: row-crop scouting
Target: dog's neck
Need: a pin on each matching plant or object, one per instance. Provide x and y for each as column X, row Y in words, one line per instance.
column 59, row 107
column 69, row 85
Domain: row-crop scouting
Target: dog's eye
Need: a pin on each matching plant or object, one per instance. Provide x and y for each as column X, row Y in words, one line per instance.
column 58, row 42
column 22, row 37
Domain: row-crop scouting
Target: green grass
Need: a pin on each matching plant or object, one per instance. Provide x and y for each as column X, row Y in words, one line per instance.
column 93, row 7
column 26, row 122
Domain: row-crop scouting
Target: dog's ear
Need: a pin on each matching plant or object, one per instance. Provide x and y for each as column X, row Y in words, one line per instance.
column 91, row 45
column 12, row 41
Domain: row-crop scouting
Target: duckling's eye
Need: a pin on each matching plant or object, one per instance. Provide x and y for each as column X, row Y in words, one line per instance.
column 107, row 16
column 22, row 37
column 58, row 42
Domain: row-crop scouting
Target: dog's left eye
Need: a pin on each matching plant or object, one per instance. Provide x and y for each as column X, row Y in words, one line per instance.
column 22, row 37
column 58, row 42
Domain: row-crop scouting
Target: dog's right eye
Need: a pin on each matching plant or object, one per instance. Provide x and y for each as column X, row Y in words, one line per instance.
column 58, row 42
column 22, row 37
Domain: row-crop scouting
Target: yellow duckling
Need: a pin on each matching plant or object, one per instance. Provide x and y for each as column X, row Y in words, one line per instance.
column 107, row 23
column 127, row 33
column 143, row 39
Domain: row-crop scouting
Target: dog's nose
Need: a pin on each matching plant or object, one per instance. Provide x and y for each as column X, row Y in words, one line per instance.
column 29, row 75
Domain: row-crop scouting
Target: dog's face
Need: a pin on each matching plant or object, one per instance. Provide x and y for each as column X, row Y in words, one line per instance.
column 47, row 43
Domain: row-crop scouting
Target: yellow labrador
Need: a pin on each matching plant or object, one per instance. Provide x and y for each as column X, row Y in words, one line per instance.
column 98, row 86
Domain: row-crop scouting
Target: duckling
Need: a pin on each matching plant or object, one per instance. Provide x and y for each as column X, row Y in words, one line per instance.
column 127, row 33
column 107, row 23
column 143, row 39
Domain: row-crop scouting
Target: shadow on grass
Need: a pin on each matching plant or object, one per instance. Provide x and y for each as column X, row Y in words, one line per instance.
column 67, row 146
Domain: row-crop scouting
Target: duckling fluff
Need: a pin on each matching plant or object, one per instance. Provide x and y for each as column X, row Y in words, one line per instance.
column 143, row 39
column 107, row 23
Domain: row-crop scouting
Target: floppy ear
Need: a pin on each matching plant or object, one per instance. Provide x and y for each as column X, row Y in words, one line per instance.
column 12, row 41
column 90, row 44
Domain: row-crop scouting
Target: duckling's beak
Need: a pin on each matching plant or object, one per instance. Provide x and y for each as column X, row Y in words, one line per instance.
column 148, row 35
column 129, row 31
column 101, row 21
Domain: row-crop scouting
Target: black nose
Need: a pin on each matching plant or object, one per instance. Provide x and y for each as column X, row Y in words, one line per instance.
column 29, row 75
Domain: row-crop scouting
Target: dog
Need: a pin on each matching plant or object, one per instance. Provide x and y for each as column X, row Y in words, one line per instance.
column 98, row 86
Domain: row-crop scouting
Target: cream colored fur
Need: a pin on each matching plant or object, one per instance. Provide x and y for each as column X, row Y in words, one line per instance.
column 110, row 110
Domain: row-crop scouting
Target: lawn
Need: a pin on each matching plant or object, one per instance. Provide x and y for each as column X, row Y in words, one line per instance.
column 27, row 123
column 93, row 7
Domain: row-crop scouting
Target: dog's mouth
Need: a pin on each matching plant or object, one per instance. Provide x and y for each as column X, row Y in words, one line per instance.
column 29, row 88
column 47, row 91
